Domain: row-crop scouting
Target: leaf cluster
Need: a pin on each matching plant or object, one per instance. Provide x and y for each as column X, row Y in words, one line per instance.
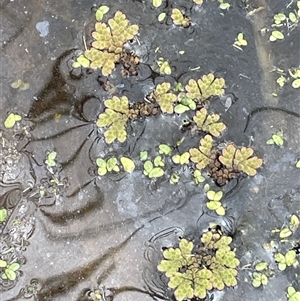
column 154, row 170
column 112, row 164
column 205, row 87
column 286, row 260
column 179, row 19
column 108, row 42
column 11, row 120
column 202, row 155
column 193, row 272
column 115, row 117
column 240, row 159
column 261, row 274
column 214, row 202
column 164, row 98
column 9, row 270
column 209, row 123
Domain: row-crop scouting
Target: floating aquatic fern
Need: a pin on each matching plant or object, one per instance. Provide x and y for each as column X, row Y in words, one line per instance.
column 108, row 43
column 205, row 87
column 192, row 271
column 115, row 118
column 240, row 159
column 209, row 123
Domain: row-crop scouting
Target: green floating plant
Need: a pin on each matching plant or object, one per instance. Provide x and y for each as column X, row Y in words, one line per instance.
column 261, row 274
column 195, row 271
column 128, row 164
column 205, row 87
column 240, row 159
column 19, row 84
column 143, row 155
column 164, row 66
column 154, row 170
column 276, row 35
column 240, row 41
column 164, row 98
column 198, row 178
column 9, row 270
column 179, row 19
column 174, row 178
column 295, row 74
column 214, row 202
column 209, row 123
column 164, row 149
column 156, row 3
column 202, row 156
column 3, row 215
column 108, row 42
column 276, row 138
column 289, row 259
column 185, row 104
column 292, row 294
column 107, row 166
column 181, row 159
column 50, row 160
column 101, row 11
column 298, row 164
column 224, row 5
column 11, row 120
column 115, row 118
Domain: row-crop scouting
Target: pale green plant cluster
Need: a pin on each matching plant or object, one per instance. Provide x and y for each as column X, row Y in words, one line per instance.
column 8, row 270
column 115, row 118
column 113, row 165
column 193, row 271
column 108, row 43
column 261, row 274
column 240, row 160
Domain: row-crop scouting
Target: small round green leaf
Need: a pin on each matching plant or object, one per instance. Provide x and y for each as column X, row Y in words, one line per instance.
column 14, row 266
column 143, row 155
column 221, row 211
column 148, row 166
column 285, row 232
column 261, row 266
column 156, row 3
column 292, row 17
column 128, row 164
column 50, row 161
column 180, row 108
column 165, row 149
column 161, row 17
column 10, row 274
column 213, row 205
column 156, row 172
column 296, row 83
column 277, row 35
column 3, row 263
column 11, row 120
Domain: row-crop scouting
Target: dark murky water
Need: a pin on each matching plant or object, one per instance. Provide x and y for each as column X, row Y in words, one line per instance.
column 72, row 231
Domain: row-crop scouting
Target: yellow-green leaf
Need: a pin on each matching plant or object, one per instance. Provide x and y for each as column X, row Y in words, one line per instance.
column 221, row 211
column 156, row 3
column 296, row 83
column 11, row 120
column 161, row 17
column 156, row 172
column 128, row 164
column 285, row 232
column 3, row 215
column 298, row 164
column 50, row 161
